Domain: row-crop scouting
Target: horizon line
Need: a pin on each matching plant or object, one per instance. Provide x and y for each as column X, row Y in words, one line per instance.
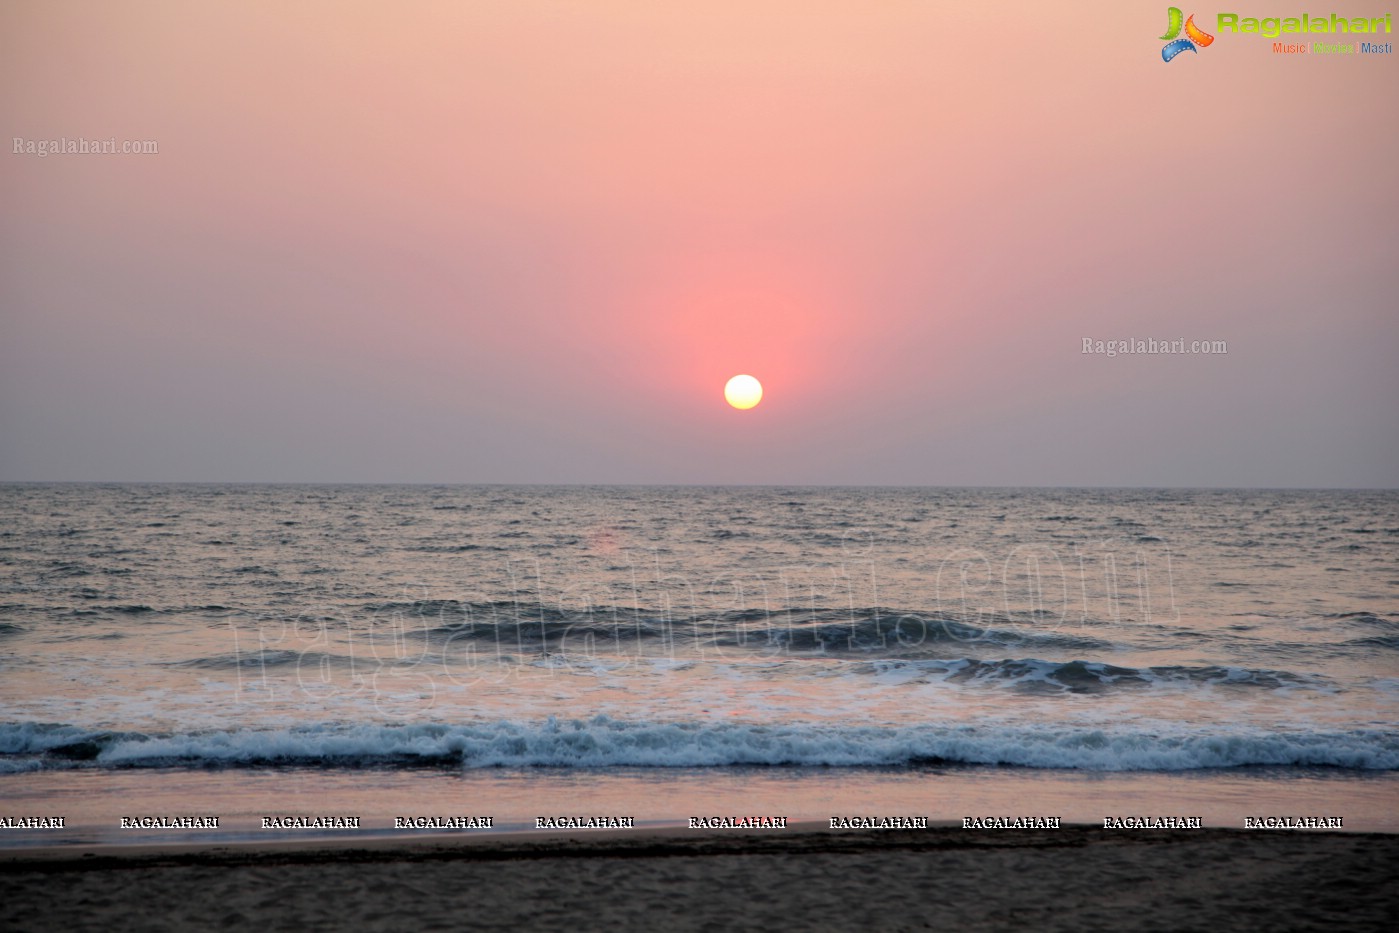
column 690, row 485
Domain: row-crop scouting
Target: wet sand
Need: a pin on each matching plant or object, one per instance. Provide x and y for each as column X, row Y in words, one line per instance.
column 1081, row 878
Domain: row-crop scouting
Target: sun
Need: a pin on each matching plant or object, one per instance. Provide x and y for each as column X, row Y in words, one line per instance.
column 743, row 392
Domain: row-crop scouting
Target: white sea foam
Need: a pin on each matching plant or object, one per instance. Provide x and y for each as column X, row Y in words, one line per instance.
column 602, row 742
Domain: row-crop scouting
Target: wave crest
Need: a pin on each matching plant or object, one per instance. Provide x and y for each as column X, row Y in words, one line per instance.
column 602, row 742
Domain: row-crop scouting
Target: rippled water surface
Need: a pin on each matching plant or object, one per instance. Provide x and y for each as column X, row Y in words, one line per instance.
column 1156, row 630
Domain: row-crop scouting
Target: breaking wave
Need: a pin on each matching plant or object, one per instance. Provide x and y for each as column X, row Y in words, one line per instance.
column 602, row 742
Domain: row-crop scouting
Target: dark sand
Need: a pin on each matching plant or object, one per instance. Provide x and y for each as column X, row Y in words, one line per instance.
column 941, row 879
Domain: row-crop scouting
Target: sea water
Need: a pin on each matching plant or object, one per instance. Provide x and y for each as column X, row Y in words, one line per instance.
column 668, row 652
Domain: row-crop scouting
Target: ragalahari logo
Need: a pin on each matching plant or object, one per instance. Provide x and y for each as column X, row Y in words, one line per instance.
column 1175, row 46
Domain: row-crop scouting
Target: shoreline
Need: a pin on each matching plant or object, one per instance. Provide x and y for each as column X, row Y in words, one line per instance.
column 94, row 802
column 803, row 835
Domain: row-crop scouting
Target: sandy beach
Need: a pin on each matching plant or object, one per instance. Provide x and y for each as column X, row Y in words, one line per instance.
column 944, row 878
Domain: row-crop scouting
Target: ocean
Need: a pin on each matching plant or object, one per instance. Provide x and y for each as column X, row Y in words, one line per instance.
column 664, row 653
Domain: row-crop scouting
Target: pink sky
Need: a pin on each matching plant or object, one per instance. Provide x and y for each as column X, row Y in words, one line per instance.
column 528, row 242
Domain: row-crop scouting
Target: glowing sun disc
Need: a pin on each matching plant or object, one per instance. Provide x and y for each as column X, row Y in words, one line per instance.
column 743, row 392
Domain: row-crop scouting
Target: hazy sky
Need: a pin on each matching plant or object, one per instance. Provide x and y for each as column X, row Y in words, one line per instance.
column 528, row 242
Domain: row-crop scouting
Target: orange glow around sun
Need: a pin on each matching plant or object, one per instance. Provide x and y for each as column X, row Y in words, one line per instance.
column 743, row 392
